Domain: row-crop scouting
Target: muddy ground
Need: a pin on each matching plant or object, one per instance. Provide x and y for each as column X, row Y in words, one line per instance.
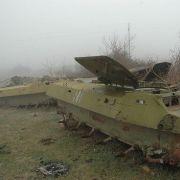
column 28, row 137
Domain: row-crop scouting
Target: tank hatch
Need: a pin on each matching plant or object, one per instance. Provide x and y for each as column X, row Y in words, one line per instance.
column 158, row 72
column 108, row 70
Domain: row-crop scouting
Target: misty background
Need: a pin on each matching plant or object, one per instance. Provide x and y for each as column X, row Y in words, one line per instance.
column 36, row 34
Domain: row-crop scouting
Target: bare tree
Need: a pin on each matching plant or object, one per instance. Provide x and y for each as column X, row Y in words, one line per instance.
column 174, row 74
column 54, row 70
column 49, row 68
column 81, row 72
column 118, row 50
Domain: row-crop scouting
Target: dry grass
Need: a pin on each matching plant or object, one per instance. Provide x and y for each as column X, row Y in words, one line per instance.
column 22, row 133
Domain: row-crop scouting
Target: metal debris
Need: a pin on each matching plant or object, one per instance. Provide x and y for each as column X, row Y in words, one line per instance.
column 53, row 168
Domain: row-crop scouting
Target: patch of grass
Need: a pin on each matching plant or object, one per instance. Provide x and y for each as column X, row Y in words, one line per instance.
column 22, row 133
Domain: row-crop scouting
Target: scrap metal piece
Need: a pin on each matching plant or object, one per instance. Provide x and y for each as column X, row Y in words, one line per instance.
column 53, row 168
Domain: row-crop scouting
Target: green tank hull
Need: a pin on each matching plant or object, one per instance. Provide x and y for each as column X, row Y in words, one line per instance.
column 137, row 118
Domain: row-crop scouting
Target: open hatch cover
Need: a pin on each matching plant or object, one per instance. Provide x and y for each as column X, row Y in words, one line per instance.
column 108, row 70
column 158, row 72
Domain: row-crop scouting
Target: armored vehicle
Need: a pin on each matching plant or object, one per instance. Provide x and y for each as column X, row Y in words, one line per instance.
column 145, row 115
column 26, row 95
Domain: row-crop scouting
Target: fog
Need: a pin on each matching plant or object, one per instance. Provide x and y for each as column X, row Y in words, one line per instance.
column 33, row 32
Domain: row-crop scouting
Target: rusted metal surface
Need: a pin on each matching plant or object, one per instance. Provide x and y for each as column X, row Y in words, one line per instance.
column 172, row 159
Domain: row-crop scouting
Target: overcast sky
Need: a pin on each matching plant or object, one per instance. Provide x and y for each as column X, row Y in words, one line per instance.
column 34, row 31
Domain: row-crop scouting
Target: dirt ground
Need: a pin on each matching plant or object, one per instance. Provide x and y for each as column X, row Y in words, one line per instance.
column 29, row 136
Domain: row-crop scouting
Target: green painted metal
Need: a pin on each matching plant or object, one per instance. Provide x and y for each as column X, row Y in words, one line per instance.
column 108, row 70
column 138, row 108
column 146, row 117
column 27, row 95
column 134, row 117
column 33, row 88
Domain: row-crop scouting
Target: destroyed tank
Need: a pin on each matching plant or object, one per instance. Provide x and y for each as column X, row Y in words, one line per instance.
column 141, row 112
column 29, row 95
